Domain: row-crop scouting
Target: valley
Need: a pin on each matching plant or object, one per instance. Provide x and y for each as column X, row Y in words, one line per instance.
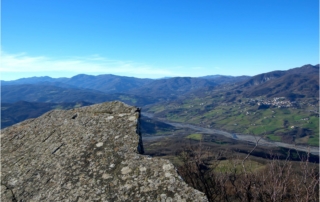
column 281, row 107
column 297, row 124
column 146, row 101
column 223, row 130
column 246, row 139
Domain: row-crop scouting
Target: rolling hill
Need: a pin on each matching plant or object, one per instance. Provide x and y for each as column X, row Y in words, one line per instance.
column 173, row 87
column 54, row 94
column 107, row 83
column 296, row 83
column 12, row 113
column 281, row 105
column 110, row 84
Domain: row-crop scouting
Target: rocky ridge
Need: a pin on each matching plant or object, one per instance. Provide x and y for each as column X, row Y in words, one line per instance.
column 86, row 154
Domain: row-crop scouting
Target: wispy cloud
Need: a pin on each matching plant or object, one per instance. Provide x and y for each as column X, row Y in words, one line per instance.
column 93, row 64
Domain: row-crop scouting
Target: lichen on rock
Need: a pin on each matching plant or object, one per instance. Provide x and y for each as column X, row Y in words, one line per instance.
column 86, row 154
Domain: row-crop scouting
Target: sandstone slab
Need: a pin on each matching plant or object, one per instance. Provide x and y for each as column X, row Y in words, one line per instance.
column 86, row 154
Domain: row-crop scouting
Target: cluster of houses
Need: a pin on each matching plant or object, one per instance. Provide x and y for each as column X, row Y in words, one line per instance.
column 279, row 102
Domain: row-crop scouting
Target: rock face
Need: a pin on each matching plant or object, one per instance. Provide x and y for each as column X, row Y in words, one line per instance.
column 86, row 154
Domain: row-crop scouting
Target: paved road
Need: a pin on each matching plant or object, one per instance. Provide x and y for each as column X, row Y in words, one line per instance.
column 240, row 137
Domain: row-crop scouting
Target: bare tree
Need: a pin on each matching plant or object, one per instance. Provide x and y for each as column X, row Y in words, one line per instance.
column 280, row 180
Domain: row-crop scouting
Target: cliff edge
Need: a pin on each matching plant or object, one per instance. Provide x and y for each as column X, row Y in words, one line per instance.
column 86, row 154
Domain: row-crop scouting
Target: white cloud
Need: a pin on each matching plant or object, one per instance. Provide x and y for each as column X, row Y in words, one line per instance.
column 94, row 64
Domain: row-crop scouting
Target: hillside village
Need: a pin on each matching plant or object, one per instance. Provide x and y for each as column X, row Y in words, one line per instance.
column 279, row 102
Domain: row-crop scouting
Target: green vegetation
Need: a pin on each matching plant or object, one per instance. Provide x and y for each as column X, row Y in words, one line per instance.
column 226, row 166
column 195, row 136
column 245, row 118
column 274, row 138
column 177, row 117
column 246, row 179
column 128, row 98
column 313, row 140
column 156, row 109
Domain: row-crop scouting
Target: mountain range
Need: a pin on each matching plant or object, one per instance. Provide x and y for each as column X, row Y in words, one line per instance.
column 103, row 88
column 204, row 101
column 107, row 83
column 279, row 105
column 53, row 94
column 300, row 82
column 294, row 84
column 12, row 113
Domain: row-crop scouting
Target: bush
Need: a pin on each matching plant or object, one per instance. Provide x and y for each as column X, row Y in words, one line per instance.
column 278, row 181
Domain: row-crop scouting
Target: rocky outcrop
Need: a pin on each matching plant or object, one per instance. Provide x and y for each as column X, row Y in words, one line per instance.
column 87, row 154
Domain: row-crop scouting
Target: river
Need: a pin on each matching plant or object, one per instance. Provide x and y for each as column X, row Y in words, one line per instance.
column 239, row 137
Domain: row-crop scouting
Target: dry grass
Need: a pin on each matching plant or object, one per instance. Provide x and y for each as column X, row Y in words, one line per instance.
column 241, row 179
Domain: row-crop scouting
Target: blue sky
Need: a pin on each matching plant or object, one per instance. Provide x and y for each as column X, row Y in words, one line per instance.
column 156, row 38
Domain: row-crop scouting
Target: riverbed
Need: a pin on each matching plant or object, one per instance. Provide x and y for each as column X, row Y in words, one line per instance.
column 239, row 137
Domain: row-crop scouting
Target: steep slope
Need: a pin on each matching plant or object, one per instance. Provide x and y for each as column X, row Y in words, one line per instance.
column 262, row 78
column 280, row 105
column 291, row 86
column 86, row 154
column 221, row 79
column 305, row 69
column 302, row 82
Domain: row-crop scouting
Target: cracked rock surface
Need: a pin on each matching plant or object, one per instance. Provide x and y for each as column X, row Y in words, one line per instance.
column 86, row 154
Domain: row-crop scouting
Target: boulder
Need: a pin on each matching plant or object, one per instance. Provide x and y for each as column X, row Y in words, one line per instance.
column 91, row 153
